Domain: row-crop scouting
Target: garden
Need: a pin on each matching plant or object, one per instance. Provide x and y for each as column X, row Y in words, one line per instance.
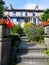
column 32, row 31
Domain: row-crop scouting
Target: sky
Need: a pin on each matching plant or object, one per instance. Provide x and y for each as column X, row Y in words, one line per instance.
column 27, row 4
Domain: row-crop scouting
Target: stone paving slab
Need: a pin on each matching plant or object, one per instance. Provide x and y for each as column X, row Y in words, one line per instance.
column 32, row 63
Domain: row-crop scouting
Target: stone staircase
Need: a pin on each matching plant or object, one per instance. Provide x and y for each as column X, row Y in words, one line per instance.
column 31, row 54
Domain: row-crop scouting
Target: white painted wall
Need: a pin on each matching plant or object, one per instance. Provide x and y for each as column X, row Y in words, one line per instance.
column 10, row 13
column 38, row 13
column 6, row 13
column 18, row 13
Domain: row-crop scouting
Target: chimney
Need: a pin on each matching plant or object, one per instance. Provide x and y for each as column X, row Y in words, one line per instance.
column 36, row 7
column 10, row 7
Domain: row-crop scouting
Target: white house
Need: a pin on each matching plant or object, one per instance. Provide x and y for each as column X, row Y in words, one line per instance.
column 19, row 16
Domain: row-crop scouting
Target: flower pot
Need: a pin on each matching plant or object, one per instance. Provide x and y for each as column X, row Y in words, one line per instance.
column 46, row 29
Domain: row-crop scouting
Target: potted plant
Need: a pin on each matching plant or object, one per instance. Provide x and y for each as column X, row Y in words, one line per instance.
column 5, row 25
column 46, row 27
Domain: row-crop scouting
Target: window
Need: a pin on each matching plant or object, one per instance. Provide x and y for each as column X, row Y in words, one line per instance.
column 14, row 13
column 34, row 20
column 33, row 14
column 26, row 13
column 17, row 19
column 21, row 13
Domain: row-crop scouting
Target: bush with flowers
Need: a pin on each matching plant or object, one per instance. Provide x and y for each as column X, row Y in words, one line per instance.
column 34, row 32
column 26, row 26
column 44, row 23
column 7, row 22
column 14, row 29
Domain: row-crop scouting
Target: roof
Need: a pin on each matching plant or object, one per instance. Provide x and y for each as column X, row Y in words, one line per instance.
column 28, row 10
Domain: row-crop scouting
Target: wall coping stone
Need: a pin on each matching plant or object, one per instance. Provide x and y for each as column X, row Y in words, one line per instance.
column 46, row 36
column 46, row 25
column 2, row 24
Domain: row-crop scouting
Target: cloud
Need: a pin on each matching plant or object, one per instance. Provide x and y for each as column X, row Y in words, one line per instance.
column 29, row 6
column 33, row 5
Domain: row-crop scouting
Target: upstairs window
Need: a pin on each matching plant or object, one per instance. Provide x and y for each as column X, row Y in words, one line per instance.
column 14, row 13
column 26, row 13
column 21, row 13
column 33, row 13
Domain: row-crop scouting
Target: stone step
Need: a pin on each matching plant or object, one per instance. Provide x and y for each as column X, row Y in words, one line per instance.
column 31, row 50
column 38, row 57
column 32, row 63
column 24, row 38
column 27, row 47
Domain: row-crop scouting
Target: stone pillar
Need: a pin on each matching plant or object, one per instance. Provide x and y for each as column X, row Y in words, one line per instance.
column 5, row 44
column 46, row 29
column 46, row 36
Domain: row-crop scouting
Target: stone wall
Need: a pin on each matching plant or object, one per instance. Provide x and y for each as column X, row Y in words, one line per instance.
column 5, row 46
column 46, row 36
column 5, row 51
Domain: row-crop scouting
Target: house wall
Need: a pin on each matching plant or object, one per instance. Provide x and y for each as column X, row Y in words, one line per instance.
column 10, row 13
column 22, row 15
column 38, row 13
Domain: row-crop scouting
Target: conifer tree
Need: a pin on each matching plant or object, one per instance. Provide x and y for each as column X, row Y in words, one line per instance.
column 1, row 8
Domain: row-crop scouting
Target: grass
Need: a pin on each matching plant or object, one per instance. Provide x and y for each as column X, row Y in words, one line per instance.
column 47, row 52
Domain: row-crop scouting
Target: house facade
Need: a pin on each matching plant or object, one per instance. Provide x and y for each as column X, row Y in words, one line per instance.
column 19, row 16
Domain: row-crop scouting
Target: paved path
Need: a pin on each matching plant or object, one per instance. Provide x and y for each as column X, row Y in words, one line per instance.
column 31, row 54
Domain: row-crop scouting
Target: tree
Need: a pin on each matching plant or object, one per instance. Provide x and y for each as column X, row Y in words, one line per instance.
column 1, row 8
column 45, row 16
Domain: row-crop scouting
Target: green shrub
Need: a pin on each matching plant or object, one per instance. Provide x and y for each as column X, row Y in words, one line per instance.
column 33, row 34
column 16, row 30
column 41, row 31
column 47, row 52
